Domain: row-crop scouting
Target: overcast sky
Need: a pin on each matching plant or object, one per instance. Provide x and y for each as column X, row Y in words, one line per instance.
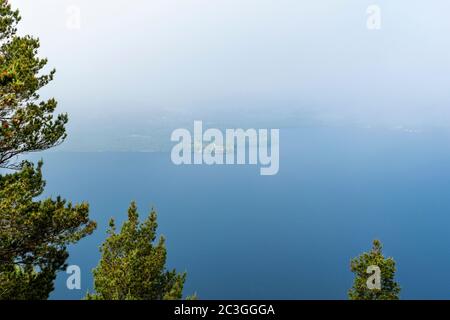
column 148, row 56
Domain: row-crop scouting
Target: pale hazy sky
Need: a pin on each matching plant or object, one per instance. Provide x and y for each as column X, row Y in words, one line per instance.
column 150, row 56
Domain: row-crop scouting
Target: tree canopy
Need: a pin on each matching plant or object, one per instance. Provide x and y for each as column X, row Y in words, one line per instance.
column 27, row 124
column 363, row 265
column 132, row 266
column 34, row 234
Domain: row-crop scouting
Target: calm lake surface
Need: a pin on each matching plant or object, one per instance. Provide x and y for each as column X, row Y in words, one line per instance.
column 290, row 236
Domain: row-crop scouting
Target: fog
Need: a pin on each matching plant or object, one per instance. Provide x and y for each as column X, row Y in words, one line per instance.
column 283, row 62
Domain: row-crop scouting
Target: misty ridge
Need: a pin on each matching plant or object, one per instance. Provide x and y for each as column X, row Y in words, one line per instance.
column 149, row 130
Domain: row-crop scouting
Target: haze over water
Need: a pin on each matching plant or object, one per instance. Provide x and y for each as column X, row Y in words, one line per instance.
column 364, row 148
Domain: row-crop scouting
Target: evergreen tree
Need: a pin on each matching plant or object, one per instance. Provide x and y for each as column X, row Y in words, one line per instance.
column 34, row 235
column 389, row 288
column 26, row 123
column 132, row 266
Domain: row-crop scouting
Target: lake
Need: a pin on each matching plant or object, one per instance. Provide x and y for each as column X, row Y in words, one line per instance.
column 240, row 235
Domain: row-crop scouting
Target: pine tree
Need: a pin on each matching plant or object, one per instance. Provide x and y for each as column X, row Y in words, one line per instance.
column 132, row 266
column 33, row 234
column 26, row 123
column 389, row 288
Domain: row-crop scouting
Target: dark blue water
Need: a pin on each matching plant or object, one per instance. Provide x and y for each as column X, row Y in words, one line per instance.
column 242, row 235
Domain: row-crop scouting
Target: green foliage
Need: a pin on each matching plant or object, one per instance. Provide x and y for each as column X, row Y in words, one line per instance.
column 390, row 289
column 132, row 266
column 34, row 234
column 26, row 124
